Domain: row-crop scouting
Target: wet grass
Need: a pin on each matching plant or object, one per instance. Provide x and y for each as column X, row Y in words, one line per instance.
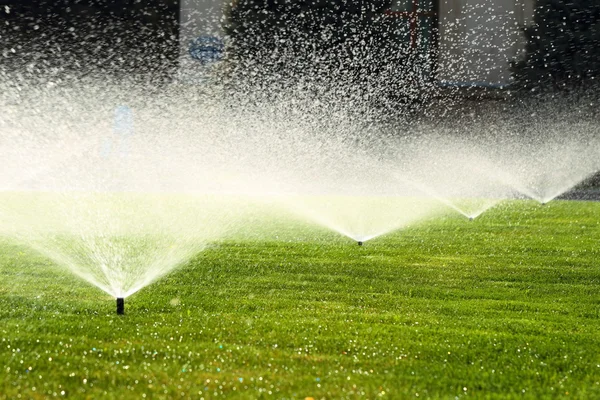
column 506, row 306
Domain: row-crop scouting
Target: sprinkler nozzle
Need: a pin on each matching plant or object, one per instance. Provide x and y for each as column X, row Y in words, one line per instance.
column 543, row 203
column 360, row 243
column 471, row 218
column 120, row 306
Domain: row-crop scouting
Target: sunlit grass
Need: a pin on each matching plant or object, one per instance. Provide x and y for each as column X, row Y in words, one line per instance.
column 507, row 305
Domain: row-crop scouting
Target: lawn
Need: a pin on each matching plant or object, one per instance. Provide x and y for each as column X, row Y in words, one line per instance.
column 506, row 306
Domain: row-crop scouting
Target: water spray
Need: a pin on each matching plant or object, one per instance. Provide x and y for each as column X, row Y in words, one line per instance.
column 120, row 306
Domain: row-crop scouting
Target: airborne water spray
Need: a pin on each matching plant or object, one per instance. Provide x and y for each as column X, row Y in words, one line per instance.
column 123, row 129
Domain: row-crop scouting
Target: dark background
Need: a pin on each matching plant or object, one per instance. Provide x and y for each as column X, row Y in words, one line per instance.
column 128, row 36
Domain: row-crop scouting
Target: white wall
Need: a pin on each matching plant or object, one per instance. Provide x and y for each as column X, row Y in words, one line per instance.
column 479, row 38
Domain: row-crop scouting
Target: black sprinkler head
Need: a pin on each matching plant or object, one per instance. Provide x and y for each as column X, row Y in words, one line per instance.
column 471, row 218
column 120, row 306
column 360, row 243
column 543, row 203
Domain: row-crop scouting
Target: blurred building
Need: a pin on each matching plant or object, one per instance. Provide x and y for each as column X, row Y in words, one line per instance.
column 462, row 42
column 478, row 39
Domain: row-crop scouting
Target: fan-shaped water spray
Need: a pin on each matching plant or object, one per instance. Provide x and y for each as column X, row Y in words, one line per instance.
column 121, row 195
column 106, row 209
column 549, row 160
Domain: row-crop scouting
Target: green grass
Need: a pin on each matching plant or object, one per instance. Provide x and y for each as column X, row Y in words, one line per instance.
column 506, row 306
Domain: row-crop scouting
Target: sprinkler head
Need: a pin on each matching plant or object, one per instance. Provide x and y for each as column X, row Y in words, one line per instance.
column 360, row 243
column 471, row 218
column 543, row 203
column 120, row 306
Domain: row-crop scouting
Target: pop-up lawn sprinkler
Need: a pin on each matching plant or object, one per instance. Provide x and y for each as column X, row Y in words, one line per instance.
column 120, row 306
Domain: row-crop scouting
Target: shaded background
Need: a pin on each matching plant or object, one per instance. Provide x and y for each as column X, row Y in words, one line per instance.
column 130, row 36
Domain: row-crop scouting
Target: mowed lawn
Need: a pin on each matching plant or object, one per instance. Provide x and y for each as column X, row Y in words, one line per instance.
column 506, row 306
